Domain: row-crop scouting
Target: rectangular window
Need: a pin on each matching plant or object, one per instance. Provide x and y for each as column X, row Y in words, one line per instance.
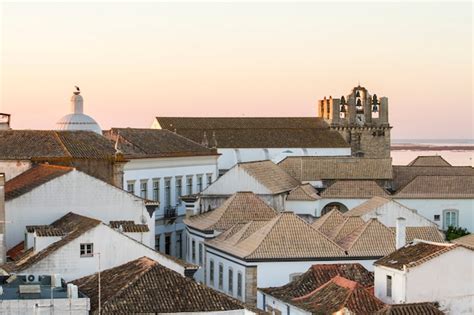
column 193, row 250
column 167, row 202
column 211, row 272
column 179, row 244
column 179, row 184
column 200, row 254
column 189, row 185
column 168, row 244
column 157, row 242
column 131, row 186
column 450, row 218
column 389, row 286
column 436, row 217
column 156, row 189
column 221, row 276
column 87, row 249
column 209, row 179
column 199, row 183
column 239, row 284
column 143, row 189
column 231, row 281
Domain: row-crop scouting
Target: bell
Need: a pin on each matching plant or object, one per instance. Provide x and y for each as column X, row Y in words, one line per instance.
column 343, row 109
column 357, row 93
column 375, row 108
column 375, row 101
column 359, row 103
column 343, row 100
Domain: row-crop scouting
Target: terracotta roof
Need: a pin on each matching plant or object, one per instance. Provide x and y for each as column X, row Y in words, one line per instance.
column 402, row 175
column 48, row 144
column 328, row 222
column 304, row 192
column 438, row 187
column 32, row 178
column 257, row 132
column 368, row 206
column 312, row 168
column 345, row 228
column 44, row 230
column 129, row 226
column 466, row 241
column 73, row 226
column 373, row 239
column 16, row 251
column 270, row 175
column 429, row 160
column 427, row 233
column 318, row 275
column 149, row 143
column 285, row 237
column 410, row 309
column 337, row 294
column 414, row 254
column 145, row 286
column 354, row 189
column 241, row 207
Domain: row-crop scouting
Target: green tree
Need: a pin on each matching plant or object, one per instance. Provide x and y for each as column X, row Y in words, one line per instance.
column 455, row 232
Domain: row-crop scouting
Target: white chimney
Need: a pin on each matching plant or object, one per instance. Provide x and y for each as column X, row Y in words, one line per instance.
column 400, row 233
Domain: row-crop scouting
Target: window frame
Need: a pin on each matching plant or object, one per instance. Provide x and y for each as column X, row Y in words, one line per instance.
column 144, row 188
column 189, row 185
column 220, row 277
column 200, row 253
column 239, row 284
column 131, row 183
column 230, row 281
column 156, row 189
column 199, row 183
column 388, row 282
column 451, row 212
column 211, row 271
column 87, row 248
column 178, row 188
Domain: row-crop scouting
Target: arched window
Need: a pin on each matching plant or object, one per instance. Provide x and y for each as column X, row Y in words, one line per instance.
column 339, row 206
column 211, row 272
column 239, row 284
column 231, row 282
column 221, row 276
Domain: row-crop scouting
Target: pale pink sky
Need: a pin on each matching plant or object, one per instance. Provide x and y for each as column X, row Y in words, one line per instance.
column 137, row 61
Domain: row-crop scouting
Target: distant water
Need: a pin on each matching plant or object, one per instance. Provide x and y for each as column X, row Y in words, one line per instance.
column 461, row 153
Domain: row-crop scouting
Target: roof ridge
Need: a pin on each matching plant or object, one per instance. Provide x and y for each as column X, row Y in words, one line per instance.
column 446, row 248
column 266, row 229
column 61, row 143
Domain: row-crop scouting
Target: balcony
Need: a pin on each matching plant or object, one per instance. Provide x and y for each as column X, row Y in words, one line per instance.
column 170, row 212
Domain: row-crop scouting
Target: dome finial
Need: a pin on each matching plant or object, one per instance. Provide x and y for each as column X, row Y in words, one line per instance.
column 77, row 91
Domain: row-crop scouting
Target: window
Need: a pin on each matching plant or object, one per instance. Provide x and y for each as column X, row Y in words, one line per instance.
column 167, row 202
column 193, row 250
column 389, row 286
column 437, row 217
column 209, row 179
column 450, row 218
column 199, row 183
column 168, row 244
column 143, row 189
column 179, row 184
column 156, row 189
column 200, row 254
column 131, row 186
column 87, row 250
column 189, row 185
column 211, row 272
column 231, row 281
column 179, row 244
column 239, row 284
column 157, row 242
column 221, row 276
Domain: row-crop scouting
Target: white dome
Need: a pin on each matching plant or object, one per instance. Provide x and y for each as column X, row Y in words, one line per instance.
column 78, row 122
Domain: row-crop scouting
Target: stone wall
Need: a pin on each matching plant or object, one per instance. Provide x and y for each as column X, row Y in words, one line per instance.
column 373, row 142
column 251, row 285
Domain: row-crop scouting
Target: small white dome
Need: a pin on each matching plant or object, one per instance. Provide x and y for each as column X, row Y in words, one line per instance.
column 78, row 122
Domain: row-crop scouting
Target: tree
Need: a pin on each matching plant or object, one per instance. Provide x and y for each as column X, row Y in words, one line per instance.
column 455, row 232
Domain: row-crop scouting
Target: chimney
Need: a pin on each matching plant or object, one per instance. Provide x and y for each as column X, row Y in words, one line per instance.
column 400, row 233
column 3, row 244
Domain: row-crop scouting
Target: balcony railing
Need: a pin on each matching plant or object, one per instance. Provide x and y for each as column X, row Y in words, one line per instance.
column 170, row 212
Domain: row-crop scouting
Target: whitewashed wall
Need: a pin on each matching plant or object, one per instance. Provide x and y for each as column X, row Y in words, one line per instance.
column 388, row 213
column 73, row 192
column 13, row 168
column 303, row 207
column 431, row 207
column 452, row 287
column 276, row 304
column 114, row 247
column 235, row 180
column 80, row 306
column 231, row 156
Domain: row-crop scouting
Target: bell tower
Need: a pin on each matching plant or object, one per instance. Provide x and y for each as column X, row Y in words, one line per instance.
column 362, row 119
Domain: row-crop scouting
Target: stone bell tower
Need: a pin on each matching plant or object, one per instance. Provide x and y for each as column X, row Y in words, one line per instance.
column 362, row 119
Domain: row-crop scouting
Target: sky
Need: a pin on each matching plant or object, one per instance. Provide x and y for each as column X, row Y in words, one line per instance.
column 137, row 61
